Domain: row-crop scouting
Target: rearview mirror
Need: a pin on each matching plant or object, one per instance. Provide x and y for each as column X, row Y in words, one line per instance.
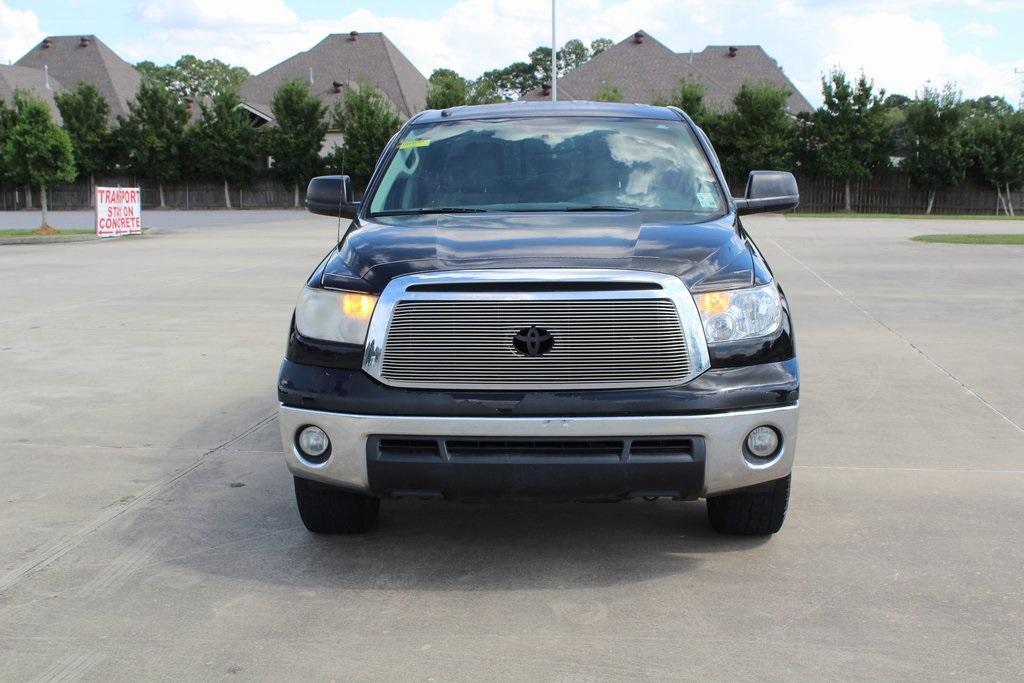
column 769, row 191
column 331, row 195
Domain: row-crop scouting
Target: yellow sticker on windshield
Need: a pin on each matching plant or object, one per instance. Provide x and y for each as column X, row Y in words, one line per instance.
column 409, row 144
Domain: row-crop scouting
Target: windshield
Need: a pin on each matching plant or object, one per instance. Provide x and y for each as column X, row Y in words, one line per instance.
column 549, row 164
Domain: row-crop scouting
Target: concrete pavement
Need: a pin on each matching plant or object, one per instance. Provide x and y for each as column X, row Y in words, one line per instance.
column 147, row 528
column 166, row 220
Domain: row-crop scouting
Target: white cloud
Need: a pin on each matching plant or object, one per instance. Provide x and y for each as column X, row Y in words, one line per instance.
column 470, row 36
column 19, row 31
column 903, row 53
column 901, row 49
column 977, row 28
column 195, row 14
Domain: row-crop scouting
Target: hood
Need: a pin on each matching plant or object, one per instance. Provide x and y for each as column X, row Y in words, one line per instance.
column 374, row 252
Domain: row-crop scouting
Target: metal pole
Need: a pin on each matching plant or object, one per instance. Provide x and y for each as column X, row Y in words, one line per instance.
column 554, row 57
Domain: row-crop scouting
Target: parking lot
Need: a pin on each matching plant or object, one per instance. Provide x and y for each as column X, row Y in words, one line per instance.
column 148, row 530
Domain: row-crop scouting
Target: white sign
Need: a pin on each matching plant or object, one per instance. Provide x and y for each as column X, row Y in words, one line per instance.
column 118, row 211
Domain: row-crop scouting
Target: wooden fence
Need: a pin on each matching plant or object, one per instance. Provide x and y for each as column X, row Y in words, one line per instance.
column 889, row 192
column 892, row 192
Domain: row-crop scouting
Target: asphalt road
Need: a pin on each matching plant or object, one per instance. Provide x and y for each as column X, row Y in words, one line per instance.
column 147, row 528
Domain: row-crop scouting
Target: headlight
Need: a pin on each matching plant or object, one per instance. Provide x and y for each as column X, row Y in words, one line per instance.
column 334, row 316
column 740, row 313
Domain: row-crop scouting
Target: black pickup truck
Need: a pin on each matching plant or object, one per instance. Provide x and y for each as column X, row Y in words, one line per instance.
column 543, row 301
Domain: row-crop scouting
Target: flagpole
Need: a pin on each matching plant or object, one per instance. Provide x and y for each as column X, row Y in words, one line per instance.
column 554, row 57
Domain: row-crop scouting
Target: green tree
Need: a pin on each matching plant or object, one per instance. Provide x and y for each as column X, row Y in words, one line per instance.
column 936, row 157
column 688, row 96
column 896, row 101
column 573, row 54
column 483, row 91
column 1015, row 163
column 191, row 77
column 540, row 65
column 514, row 80
column 987, row 106
column 519, row 78
column 222, row 144
column 758, row 133
column 992, row 135
column 153, row 133
column 8, row 117
column 85, row 113
column 295, row 141
column 446, row 89
column 848, row 136
column 367, row 122
column 599, row 45
column 608, row 93
column 37, row 152
column 895, row 107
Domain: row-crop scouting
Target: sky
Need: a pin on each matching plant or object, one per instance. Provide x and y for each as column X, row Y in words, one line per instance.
column 902, row 45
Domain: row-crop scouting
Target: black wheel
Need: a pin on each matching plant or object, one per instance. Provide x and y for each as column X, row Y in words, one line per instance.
column 326, row 510
column 753, row 512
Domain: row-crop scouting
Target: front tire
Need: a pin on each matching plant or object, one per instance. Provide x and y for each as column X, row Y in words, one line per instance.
column 754, row 512
column 326, row 510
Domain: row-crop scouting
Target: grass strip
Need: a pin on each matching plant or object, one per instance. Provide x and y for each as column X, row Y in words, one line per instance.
column 1009, row 238
column 33, row 233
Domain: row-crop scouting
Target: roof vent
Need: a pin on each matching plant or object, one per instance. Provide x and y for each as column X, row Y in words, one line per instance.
column 733, row 51
column 353, row 35
column 338, row 85
column 47, row 42
column 85, row 41
column 545, row 89
column 638, row 37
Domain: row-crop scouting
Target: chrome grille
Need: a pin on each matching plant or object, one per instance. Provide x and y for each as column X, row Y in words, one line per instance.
column 598, row 342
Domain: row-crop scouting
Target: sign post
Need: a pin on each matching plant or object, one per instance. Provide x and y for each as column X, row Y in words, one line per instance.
column 118, row 211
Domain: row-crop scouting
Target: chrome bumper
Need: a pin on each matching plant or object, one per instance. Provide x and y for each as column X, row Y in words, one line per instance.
column 726, row 466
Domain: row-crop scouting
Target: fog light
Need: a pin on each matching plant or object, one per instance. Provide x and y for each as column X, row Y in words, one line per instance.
column 313, row 443
column 763, row 441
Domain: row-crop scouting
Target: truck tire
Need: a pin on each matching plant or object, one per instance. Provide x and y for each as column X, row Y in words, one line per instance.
column 759, row 511
column 326, row 510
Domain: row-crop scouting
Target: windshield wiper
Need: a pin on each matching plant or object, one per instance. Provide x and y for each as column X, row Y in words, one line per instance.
column 602, row 207
column 429, row 209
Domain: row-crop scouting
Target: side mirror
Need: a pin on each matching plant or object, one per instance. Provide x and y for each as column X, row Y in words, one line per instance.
column 769, row 191
column 331, row 195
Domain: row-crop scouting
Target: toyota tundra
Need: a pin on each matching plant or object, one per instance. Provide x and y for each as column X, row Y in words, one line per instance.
column 538, row 300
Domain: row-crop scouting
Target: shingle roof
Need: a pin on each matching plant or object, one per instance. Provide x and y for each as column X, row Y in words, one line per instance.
column 371, row 57
column 732, row 66
column 642, row 72
column 72, row 59
column 32, row 81
column 647, row 70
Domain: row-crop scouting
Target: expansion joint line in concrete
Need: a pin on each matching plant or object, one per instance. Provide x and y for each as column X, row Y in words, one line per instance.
column 42, row 559
column 971, row 392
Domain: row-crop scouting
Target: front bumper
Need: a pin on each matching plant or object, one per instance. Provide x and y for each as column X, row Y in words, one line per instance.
column 724, row 465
